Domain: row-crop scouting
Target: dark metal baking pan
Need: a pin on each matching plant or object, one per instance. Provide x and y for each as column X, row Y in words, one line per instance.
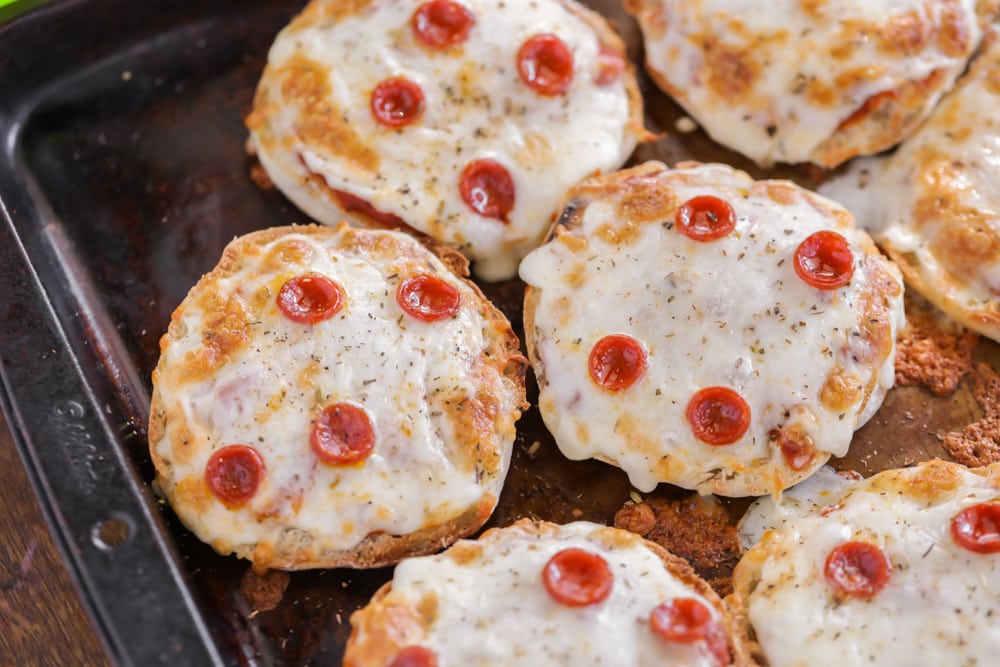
column 122, row 176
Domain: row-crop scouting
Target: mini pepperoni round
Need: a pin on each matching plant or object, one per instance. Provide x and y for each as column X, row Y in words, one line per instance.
column 824, row 260
column 310, row 299
column 617, row 362
column 610, row 65
column 797, row 452
column 682, row 620
column 577, row 578
column 428, row 298
column 442, row 23
column 342, row 434
column 415, row 656
column 705, row 218
column 488, row 189
column 718, row 415
column 545, row 64
column 857, row 569
column 977, row 528
column 397, row 102
column 233, row 474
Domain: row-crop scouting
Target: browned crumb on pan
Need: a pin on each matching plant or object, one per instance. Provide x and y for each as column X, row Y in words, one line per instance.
column 932, row 351
column 695, row 528
column 978, row 444
column 985, row 386
column 263, row 592
column 259, row 176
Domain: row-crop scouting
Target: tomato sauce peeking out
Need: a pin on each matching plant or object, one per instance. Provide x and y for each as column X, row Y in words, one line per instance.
column 718, row 415
column 977, row 528
column 545, row 64
column 705, row 218
column 415, row 656
column 233, row 474
column 488, row 189
column 857, row 569
column 310, row 299
column 397, row 102
column 342, row 434
column 577, row 578
column 824, row 260
column 428, row 298
column 610, row 65
column 617, row 362
column 440, row 24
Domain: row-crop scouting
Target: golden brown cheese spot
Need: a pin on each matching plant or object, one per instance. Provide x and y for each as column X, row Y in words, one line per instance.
column 226, row 331
column 182, row 440
column 931, row 351
column 197, row 497
column 537, row 151
column 953, row 37
column 795, row 446
column 574, row 243
column 286, row 253
column 840, row 391
column 646, row 200
column 932, row 482
column 781, row 193
column 731, row 72
column 696, row 529
column 427, row 607
column 382, row 629
column 621, row 233
column 615, row 539
column 813, row 8
column 904, row 35
column 465, row 553
column 320, row 13
column 474, row 422
column 305, row 85
column 576, row 276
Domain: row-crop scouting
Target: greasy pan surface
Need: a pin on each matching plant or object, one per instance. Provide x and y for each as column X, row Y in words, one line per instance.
column 122, row 177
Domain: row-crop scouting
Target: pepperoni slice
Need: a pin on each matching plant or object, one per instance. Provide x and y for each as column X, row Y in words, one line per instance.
column 415, row 656
column 310, row 299
column 397, row 102
column 577, row 578
column 428, row 298
column 233, row 474
column 442, row 23
column 342, row 434
column 798, row 452
column 857, row 569
column 617, row 362
column 705, row 218
column 488, row 189
column 977, row 528
column 824, row 260
column 718, row 415
column 682, row 620
column 610, row 65
column 545, row 64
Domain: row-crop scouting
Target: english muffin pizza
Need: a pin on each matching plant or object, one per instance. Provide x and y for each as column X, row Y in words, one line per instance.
column 902, row 568
column 334, row 397
column 809, row 80
column 536, row 593
column 700, row 328
column 934, row 204
column 464, row 119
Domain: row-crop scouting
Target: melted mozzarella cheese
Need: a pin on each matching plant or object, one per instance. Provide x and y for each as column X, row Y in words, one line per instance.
column 494, row 609
column 941, row 603
column 398, row 369
column 476, row 108
column 730, row 312
column 775, row 84
column 935, row 202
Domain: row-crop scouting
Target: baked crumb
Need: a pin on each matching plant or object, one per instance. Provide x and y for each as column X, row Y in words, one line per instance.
column 259, row 176
column 696, row 528
column 978, row 444
column 263, row 592
column 932, row 351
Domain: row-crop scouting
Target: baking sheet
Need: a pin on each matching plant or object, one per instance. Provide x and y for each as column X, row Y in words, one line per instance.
column 122, row 177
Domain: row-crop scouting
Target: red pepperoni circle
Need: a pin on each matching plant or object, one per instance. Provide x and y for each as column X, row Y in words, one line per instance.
column 705, row 218
column 577, row 578
column 342, row 434
column 824, row 260
column 415, row 656
column 977, row 528
column 442, row 23
column 617, row 362
column 545, row 64
column 233, row 474
column 488, row 189
column 428, row 298
column 610, row 65
column 718, row 415
column 682, row 620
column 397, row 102
column 310, row 299
column 857, row 569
